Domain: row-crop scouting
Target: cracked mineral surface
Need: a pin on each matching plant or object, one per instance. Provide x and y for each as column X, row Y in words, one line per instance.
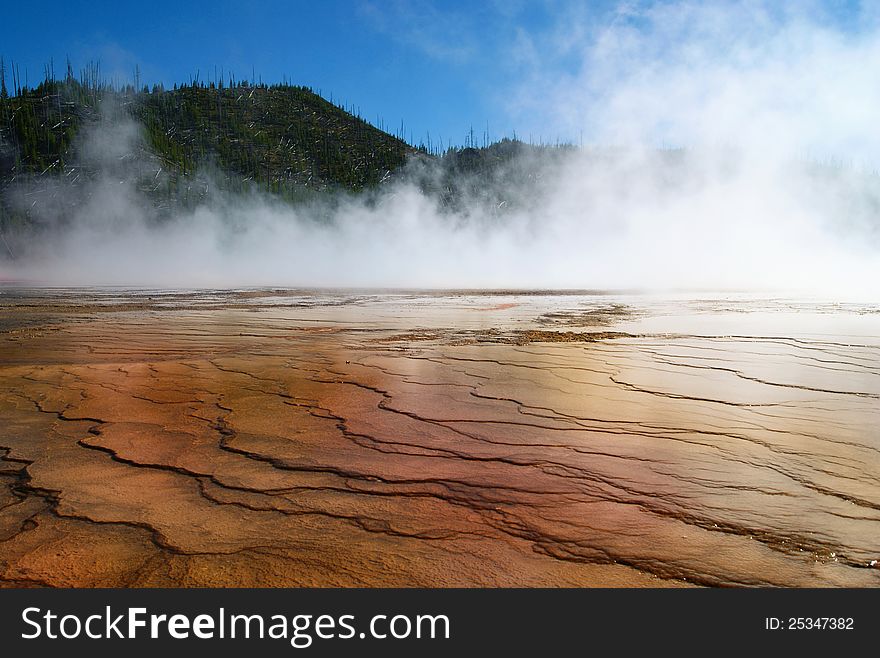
column 321, row 438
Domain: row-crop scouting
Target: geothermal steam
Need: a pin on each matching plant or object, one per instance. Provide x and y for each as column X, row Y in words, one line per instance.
column 732, row 146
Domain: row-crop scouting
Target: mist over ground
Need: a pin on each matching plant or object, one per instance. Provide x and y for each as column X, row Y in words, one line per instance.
column 727, row 146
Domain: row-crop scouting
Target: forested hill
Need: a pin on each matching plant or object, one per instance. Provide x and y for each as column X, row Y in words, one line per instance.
column 67, row 142
column 277, row 137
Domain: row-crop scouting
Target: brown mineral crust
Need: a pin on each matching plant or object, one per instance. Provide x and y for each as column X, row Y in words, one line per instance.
column 332, row 446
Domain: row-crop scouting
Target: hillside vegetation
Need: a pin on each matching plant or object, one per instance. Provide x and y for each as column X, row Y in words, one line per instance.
column 277, row 136
column 174, row 145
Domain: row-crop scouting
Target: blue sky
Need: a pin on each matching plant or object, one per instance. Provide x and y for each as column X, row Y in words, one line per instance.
column 436, row 66
column 441, row 67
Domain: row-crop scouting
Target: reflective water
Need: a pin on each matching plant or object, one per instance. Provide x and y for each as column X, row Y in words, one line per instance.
column 283, row 437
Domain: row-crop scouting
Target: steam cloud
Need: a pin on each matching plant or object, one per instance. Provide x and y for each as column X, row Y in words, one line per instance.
column 733, row 145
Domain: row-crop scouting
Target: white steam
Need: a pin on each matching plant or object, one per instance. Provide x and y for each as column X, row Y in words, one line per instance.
column 774, row 186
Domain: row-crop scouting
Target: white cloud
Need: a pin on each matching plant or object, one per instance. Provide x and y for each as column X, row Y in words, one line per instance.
column 442, row 35
column 778, row 79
